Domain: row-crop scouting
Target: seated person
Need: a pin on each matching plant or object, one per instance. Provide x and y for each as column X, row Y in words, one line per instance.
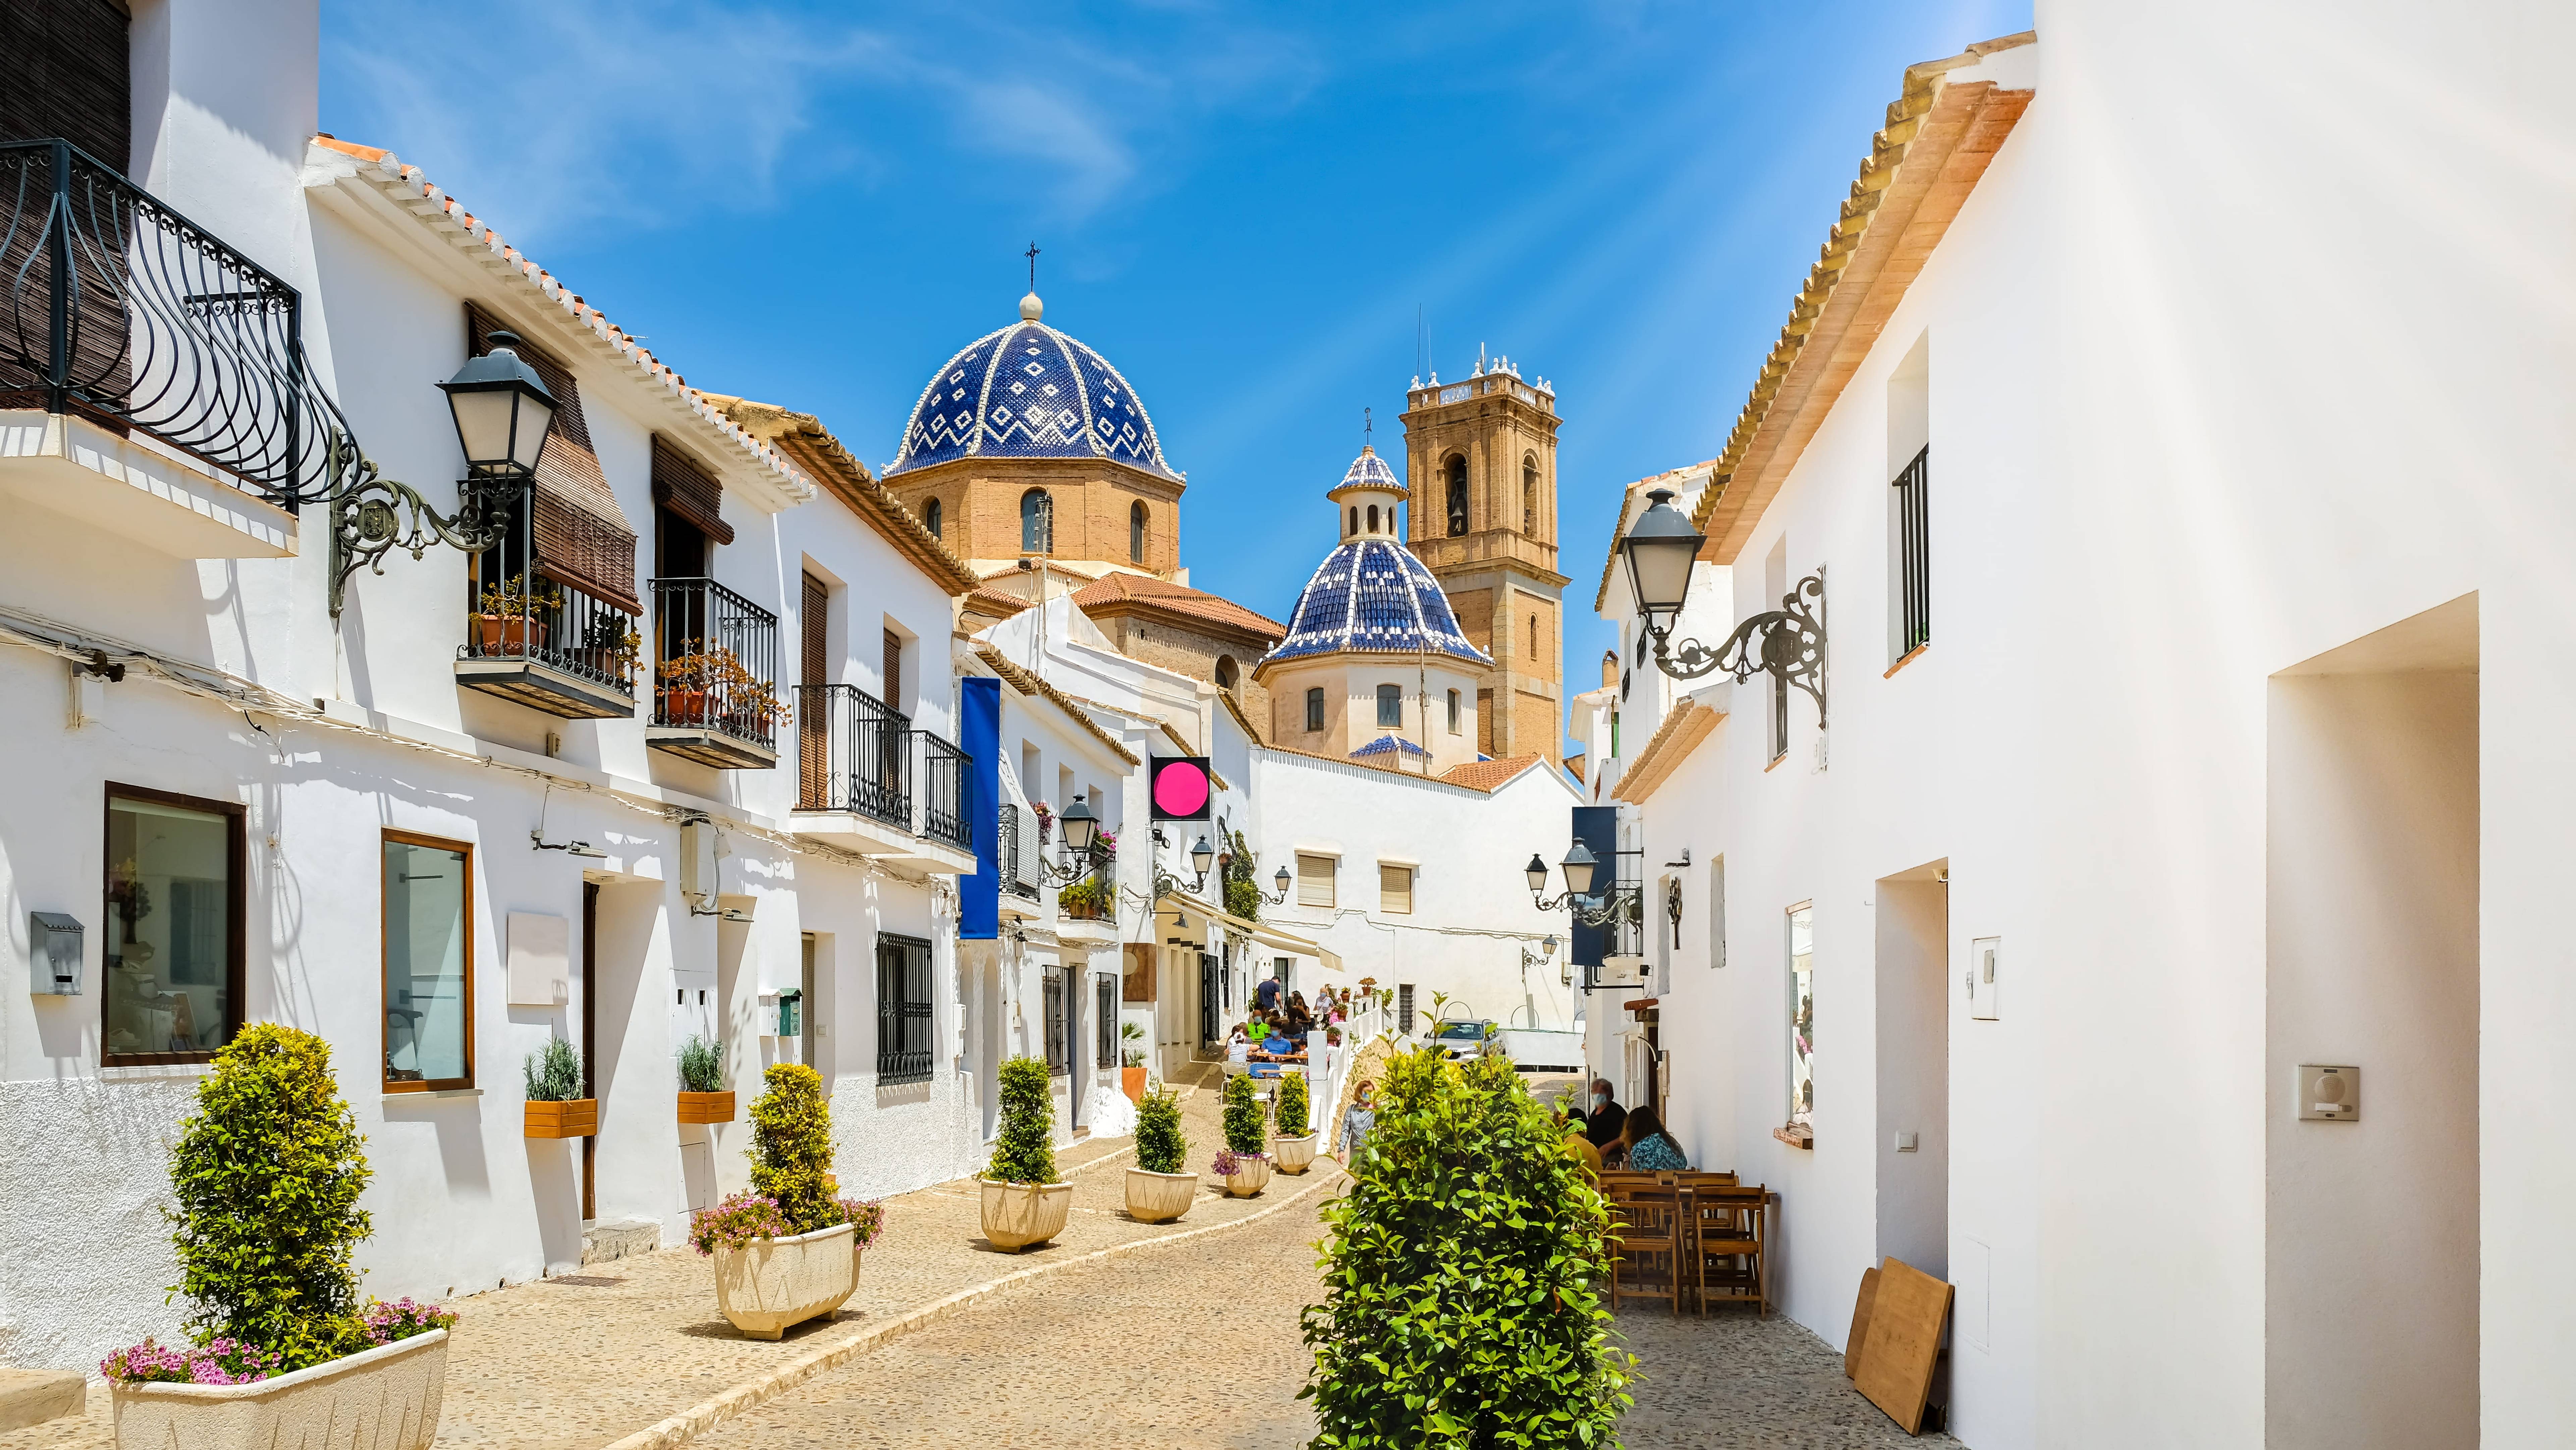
column 1647, row 1147
column 1580, row 1148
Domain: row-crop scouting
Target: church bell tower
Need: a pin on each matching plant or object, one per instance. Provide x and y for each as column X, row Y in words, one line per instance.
column 1480, row 459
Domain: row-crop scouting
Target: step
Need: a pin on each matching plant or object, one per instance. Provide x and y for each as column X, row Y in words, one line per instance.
column 618, row 1238
column 33, row 1396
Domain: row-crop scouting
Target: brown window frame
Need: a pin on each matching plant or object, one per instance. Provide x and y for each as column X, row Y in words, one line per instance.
column 236, row 942
column 384, row 960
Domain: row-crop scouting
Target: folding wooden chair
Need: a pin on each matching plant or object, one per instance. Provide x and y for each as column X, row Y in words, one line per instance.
column 1650, row 1235
column 1727, row 1245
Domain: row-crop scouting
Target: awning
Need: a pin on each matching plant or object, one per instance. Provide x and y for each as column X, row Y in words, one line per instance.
column 1268, row 935
column 1640, row 1005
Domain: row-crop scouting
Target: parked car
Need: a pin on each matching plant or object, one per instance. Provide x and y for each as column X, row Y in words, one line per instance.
column 1462, row 1040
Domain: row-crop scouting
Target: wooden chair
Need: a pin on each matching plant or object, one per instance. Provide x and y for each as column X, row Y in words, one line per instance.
column 1727, row 1242
column 1651, row 1233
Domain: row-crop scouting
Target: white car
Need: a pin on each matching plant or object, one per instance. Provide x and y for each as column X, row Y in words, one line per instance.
column 1459, row 1041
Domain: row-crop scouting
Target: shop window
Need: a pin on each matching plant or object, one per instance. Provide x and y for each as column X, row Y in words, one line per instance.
column 173, row 927
column 429, row 954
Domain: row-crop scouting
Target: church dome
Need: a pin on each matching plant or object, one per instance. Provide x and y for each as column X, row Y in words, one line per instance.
column 1029, row 391
column 1371, row 594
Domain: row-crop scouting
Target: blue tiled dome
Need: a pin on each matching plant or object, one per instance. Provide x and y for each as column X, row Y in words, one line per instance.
column 1372, row 594
column 1029, row 391
column 1370, row 469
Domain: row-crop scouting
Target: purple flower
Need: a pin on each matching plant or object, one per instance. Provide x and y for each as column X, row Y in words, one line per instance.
column 388, row 1323
column 1228, row 1162
column 219, row 1361
column 734, row 1223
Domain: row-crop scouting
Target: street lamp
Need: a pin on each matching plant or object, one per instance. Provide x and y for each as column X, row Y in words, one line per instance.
column 1787, row 643
column 1202, row 856
column 1282, row 881
column 502, row 410
column 1661, row 547
column 1581, row 867
column 1081, row 833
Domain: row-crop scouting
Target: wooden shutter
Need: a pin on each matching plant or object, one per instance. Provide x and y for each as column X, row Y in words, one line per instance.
column 1315, row 880
column 69, row 76
column 813, row 720
column 894, row 671
column 1395, row 890
column 582, row 537
column 686, row 489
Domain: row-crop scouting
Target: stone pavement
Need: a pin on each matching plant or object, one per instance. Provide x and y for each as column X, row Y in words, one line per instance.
column 1733, row 1380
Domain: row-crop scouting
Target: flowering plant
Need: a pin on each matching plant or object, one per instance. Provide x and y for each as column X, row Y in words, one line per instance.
column 1229, row 1163
column 734, row 1223
column 867, row 1214
column 221, row 1361
column 385, row 1323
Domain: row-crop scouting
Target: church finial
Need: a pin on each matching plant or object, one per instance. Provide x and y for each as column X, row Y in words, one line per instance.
column 1031, row 309
column 1368, row 430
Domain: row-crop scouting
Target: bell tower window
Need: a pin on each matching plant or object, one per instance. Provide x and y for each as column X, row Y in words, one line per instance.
column 1372, row 528
column 933, row 516
column 1529, row 494
column 1037, row 522
column 1455, row 470
column 1136, row 520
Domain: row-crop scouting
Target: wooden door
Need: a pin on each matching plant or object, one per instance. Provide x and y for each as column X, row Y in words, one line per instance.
column 813, row 716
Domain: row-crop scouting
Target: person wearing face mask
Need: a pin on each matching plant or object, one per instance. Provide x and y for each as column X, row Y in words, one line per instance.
column 1602, row 1125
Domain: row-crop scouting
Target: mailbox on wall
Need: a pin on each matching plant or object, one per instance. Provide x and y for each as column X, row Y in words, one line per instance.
column 53, row 954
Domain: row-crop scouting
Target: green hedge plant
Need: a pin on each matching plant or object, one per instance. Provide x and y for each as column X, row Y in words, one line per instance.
column 1160, row 1147
column 701, row 1065
column 1242, row 1118
column 791, row 1149
column 1296, row 1109
column 553, row 1073
column 1462, row 1276
column 265, row 1181
column 1025, row 1153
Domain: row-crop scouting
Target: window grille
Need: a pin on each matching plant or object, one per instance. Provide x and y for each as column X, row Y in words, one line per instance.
column 1913, row 555
column 1104, row 1020
column 1059, row 1051
column 903, row 1010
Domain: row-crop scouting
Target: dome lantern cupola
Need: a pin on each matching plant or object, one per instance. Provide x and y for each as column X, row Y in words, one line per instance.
column 1370, row 594
column 1365, row 501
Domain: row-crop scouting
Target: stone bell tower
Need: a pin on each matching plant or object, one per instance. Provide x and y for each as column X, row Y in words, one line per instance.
column 1480, row 458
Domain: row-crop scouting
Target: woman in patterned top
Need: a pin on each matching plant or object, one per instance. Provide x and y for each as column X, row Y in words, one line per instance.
column 1649, row 1148
column 1358, row 1120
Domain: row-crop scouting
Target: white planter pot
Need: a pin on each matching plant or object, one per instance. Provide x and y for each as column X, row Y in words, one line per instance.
column 1295, row 1155
column 382, row 1399
column 1017, row 1215
column 768, row 1285
column 1249, row 1177
column 1160, row 1197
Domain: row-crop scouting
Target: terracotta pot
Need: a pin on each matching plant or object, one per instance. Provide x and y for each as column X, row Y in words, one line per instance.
column 507, row 634
column 1250, row 1176
column 578, row 1118
column 768, row 1285
column 1131, row 1080
column 1295, row 1155
column 706, row 1107
column 1160, row 1197
column 1017, row 1215
column 683, row 706
column 382, row 1399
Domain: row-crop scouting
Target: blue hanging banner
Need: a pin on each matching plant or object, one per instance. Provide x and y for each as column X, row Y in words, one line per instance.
column 979, row 734
column 1597, row 827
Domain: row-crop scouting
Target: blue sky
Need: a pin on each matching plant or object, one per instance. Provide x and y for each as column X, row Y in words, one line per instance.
column 1243, row 208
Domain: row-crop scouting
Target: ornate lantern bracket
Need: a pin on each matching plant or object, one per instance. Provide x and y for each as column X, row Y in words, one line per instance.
column 1787, row 643
column 373, row 515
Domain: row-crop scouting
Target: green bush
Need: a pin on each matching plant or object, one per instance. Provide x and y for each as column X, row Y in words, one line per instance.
column 701, row 1065
column 1160, row 1148
column 266, row 1177
column 1296, row 1110
column 1025, row 1153
column 1462, row 1273
column 791, row 1148
column 1242, row 1116
column 554, row 1074
column 1243, row 896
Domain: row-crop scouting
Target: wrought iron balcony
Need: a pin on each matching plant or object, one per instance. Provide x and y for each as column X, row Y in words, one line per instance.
column 1016, row 852
column 945, row 793
column 122, row 311
column 715, row 697
column 854, row 753
column 541, row 642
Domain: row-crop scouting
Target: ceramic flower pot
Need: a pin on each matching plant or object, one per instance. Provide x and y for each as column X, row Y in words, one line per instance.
column 1017, row 1215
column 768, row 1285
column 507, row 634
column 1249, row 1177
column 382, row 1399
column 1295, row 1155
column 1160, row 1197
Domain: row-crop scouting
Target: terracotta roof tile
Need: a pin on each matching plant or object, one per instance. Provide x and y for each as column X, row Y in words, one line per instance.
column 1143, row 591
column 995, row 603
column 1485, row 775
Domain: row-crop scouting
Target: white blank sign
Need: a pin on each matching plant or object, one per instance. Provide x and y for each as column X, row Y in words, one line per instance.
column 540, row 955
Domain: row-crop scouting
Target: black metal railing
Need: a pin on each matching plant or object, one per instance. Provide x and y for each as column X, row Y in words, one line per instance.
column 122, row 310
column 1015, row 852
column 1059, row 1051
column 854, row 753
column 945, row 795
column 515, row 612
column 1914, row 554
column 903, row 1011
column 715, row 662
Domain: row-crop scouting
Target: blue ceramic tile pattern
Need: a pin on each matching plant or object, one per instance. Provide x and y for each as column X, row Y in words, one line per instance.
column 1389, row 744
column 1029, row 391
column 1372, row 594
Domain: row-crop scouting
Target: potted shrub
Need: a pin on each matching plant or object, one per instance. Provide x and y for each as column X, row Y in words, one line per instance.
column 1131, row 1076
column 1024, row 1204
column 556, row 1108
column 1086, row 899
column 1157, row 1190
column 712, row 686
column 788, row 1250
column 1243, row 1166
column 265, row 1180
column 510, row 616
column 703, row 1095
column 1296, row 1139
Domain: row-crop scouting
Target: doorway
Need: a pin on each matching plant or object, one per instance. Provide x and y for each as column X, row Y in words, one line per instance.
column 589, row 1043
column 1913, row 1117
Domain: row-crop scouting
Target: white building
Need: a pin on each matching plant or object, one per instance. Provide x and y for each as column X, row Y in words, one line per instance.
column 2187, row 486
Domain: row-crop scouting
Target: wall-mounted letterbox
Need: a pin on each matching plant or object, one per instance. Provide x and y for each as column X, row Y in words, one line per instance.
column 791, row 1013
column 53, row 954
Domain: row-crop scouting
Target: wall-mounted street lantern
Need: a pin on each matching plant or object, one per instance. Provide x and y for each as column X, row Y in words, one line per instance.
column 1081, row 831
column 503, row 412
column 1787, row 643
column 1202, row 857
column 1613, row 902
column 1283, row 881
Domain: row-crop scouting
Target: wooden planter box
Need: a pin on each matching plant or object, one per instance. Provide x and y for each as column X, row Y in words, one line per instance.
column 706, row 1107
column 578, row 1118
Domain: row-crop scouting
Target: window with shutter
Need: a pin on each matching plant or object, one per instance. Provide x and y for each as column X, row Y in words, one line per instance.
column 894, row 671
column 1395, row 890
column 68, row 76
column 813, row 717
column 581, row 536
column 689, row 490
column 1315, row 880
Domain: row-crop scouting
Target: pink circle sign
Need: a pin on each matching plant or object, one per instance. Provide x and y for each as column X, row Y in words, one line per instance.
column 1180, row 789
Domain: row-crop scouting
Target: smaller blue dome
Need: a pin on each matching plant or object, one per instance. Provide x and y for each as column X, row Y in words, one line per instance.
column 1369, row 470
column 1372, row 594
column 1029, row 391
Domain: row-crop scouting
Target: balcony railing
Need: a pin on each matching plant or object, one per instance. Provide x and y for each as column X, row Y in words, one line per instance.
column 945, row 794
column 1914, row 553
column 1016, row 852
column 854, row 753
column 549, row 645
column 715, row 662
column 124, row 311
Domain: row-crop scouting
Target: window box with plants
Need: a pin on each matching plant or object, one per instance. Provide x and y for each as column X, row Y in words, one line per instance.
column 1243, row 1165
column 1024, row 1202
column 1157, row 1190
column 1294, row 1144
column 556, row 1107
column 714, row 688
column 788, row 1250
column 265, row 1181
column 1131, row 1073
column 703, row 1095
